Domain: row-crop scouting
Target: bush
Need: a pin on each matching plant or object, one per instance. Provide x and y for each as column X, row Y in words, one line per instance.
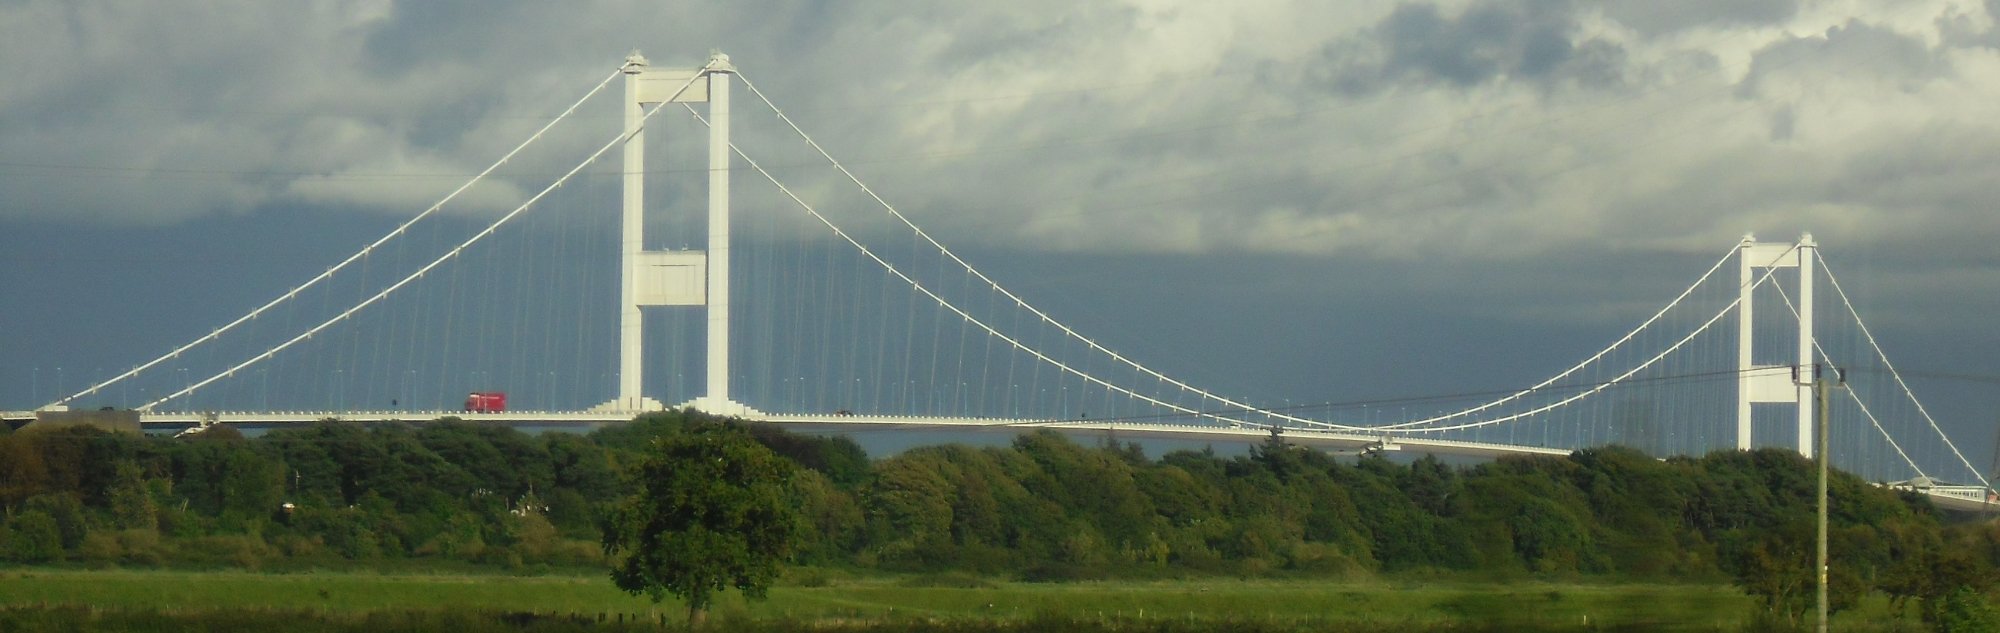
column 33, row 537
column 241, row 551
column 100, row 549
column 140, row 546
column 67, row 510
column 1964, row 610
column 343, row 531
column 576, row 553
column 298, row 546
column 1321, row 558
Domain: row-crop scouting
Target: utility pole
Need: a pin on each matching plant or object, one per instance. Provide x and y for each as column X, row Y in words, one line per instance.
column 1821, row 386
column 1990, row 501
column 1996, row 454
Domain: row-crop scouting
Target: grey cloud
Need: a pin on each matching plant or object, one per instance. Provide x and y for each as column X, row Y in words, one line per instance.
column 922, row 100
column 1656, row 17
column 235, row 105
column 1599, row 64
column 1964, row 30
column 1783, row 123
column 1925, row 188
column 985, row 35
column 436, row 31
column 1947, row 172
column 1853, row 49
column 1520, row 40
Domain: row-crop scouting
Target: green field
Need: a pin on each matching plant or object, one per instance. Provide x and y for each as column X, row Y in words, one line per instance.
column 1287, row 605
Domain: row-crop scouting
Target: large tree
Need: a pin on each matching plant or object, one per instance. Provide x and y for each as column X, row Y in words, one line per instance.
column 709, row 509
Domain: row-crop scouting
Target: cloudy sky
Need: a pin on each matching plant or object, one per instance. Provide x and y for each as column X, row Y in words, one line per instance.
column 1471, row 167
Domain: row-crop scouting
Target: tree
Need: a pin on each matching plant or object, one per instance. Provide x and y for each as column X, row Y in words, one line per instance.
column 832, row 515
column 131, row 503
column 909, row 507
column 34, row 538
column 709, row 509
column 68, row 513
column 577, row 464
column 1963, row 609
column 1775, row 566
column 839, row 458
column 1955, row 595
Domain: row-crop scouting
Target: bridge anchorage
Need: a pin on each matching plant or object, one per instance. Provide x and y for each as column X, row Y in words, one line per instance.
column 848, row 329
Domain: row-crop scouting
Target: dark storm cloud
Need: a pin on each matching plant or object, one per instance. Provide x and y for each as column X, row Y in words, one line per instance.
column 1655, row 17
column 1520, row 40
column 1529, row 116
column 1943, row 174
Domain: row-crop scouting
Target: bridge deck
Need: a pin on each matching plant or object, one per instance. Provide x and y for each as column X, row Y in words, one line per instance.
column 1317, row 439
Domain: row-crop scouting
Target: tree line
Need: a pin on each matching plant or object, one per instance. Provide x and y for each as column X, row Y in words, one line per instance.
column 1043, row 508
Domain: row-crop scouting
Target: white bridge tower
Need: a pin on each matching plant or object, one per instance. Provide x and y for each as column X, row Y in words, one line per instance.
column 1782, row 384
column 675, row 278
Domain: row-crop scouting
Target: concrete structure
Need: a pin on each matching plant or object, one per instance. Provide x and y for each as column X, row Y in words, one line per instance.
column 117, row 421
column 1786, row 383
column 674, row 278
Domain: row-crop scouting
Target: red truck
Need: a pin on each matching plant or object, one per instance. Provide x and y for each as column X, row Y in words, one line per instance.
column 486, row 402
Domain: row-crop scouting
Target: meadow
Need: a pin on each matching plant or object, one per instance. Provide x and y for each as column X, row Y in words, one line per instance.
column 164, row 600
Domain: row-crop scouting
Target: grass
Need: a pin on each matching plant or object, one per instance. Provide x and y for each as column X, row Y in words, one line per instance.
column 317, row 591
column 1287, row 604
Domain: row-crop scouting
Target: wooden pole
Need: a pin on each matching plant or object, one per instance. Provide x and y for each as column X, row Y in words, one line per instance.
column 1821, row 386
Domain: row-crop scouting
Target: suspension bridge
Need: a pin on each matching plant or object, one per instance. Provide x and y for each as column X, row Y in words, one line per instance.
column 803, row 297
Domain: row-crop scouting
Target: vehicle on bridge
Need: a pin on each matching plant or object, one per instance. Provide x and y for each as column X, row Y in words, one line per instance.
column 486, row 402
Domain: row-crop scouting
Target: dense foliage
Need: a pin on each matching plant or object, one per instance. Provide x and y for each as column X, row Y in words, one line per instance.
column 1044, row 508
column 710, row 509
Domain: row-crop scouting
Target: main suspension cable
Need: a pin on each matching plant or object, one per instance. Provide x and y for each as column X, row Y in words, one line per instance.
column 961, row 312
column 1022, row 303
column 1579, row 366
column 448, row 256
column 363, row 253
column 1605, row 384
column 1907, row 392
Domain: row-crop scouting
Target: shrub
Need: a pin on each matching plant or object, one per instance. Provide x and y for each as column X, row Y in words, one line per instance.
column 67, row 510
column 33, row 537
column 100, row 549
column 242, row 551
column 1964, row 610
column 1321, row 558
column 139, row 546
